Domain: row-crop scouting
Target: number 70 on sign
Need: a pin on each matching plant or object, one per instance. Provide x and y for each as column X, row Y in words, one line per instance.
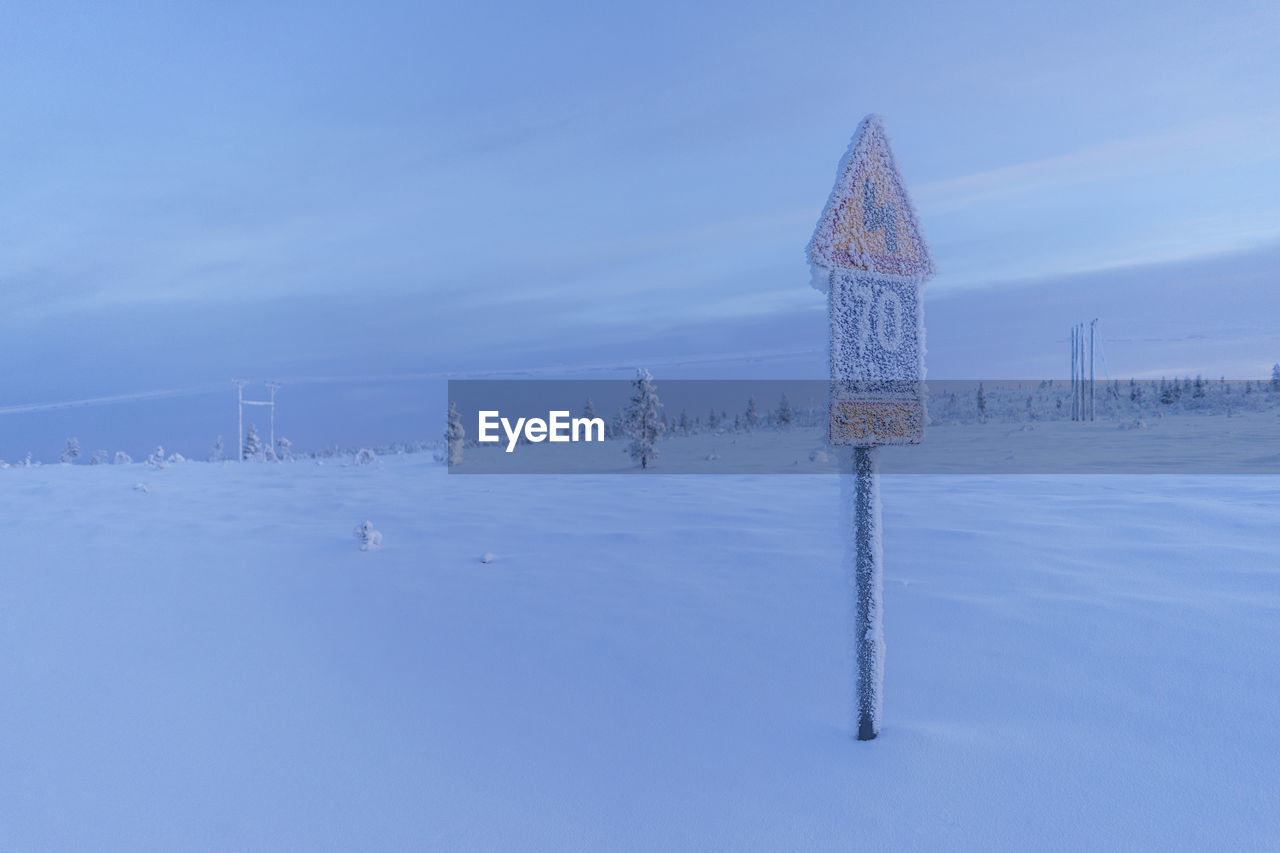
column 876, row 328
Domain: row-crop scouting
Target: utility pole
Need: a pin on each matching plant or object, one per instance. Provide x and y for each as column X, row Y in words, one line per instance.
column 241, row 402
column 1080, row 384
column 240, row 383
column 273, row 386
column 1092, row 323
column 1073, row 373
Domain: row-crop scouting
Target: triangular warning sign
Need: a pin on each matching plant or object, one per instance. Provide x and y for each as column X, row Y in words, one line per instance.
column 869, row 223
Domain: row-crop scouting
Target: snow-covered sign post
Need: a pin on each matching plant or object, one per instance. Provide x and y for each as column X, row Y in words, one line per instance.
column 869, row 254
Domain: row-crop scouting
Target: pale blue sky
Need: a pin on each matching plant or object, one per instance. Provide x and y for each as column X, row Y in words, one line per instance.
column 195, row 191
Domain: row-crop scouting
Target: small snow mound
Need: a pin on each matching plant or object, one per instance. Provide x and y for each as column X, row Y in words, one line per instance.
column 488, row 557
column 369, row 539
column 819, row 456
column 139, row 487
column 712, row 456
column 1134, row 424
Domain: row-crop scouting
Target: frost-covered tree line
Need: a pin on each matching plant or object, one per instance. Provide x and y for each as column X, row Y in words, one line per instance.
column 1113, row 399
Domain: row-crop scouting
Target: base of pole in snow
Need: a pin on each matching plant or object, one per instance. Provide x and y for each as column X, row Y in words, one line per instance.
column 866, row 559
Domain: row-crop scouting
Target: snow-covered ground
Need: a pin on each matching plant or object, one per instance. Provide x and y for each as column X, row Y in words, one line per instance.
column 647, row 663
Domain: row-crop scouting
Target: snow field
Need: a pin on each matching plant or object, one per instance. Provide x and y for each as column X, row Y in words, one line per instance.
column 653, row 662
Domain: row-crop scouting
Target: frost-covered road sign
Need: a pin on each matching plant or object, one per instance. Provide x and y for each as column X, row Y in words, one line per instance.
column 869, row 255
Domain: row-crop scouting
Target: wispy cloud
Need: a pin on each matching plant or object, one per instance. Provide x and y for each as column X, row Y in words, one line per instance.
column 1188, row 148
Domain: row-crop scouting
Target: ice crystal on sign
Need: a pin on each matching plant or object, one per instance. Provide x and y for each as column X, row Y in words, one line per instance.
column 869, row 254
column 868, row 222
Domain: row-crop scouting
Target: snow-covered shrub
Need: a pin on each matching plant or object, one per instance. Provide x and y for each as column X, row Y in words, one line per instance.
column 365, row 456
column 72, row 450
column 369, row 539
column 215, row 454
column 455, row 435
column 156, row 459
column 123, row 458
column 177, row 457
column 784, row 416
column 252, row 445
column 284, row 449
column 99, row 457
column 487, row 557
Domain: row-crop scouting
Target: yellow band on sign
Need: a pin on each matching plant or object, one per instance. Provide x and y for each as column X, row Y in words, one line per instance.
column 868, row 423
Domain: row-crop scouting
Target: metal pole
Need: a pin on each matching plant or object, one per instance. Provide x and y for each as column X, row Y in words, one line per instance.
column 273, row 387
column 1092, row 409
column 1073, row 373
column 867, row 559
column 1075, row 388
column 239, row 419
column 1080, row 362
column 1083, row 387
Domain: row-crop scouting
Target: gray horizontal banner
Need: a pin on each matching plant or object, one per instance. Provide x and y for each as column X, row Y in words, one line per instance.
column 1173, row 426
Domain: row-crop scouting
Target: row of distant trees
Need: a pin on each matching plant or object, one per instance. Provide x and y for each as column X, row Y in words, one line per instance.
column 644, row 422
column 254, row 449
column 1049, row 400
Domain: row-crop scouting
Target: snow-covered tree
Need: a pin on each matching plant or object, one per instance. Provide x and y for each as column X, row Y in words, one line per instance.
column 123, row 458
column 783, row 416
column 588, row 411
column 455, row 434
column 72, row 451
column 685, row 426
column 643, row 419
column 99, row 457
column 713, row 420
column 752, row 416
column 1275, row 378
column 369, row 539
column 157, row 458
column 365, row 456
column 284, row 449
column 215, row 455
column 982, row 404
column 252, row 444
